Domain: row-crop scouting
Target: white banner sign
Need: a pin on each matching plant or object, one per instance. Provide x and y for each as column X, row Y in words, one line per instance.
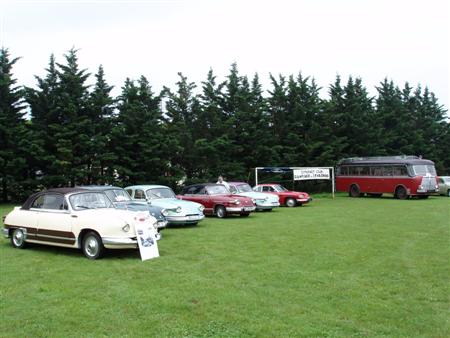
column 311, row 174
column 146, row 237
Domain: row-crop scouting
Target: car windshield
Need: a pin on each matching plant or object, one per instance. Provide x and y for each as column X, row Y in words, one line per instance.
column 217, row 190
column 157, row 193
column 118, row 195
column 89, row 200
column 279, row 188
column 423, row 170
column 244, row 188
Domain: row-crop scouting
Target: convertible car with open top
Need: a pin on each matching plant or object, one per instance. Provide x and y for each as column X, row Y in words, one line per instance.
column 75, row 218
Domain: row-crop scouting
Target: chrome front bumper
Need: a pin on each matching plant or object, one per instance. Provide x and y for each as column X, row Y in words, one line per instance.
column 184, row 219
column 119, row 243
column 5, row 232
column 267, row 205
column 304, row 200
column 240, row 209
column 161, row 224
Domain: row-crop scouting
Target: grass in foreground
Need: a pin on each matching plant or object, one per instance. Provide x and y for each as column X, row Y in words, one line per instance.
column 336, row 268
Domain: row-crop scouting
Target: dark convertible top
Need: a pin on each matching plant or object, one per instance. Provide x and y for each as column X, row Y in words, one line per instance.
column 62, row 191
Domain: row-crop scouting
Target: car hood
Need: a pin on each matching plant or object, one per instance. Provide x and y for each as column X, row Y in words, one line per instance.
column 154, row 210
column 112, row 215
column 173, row 203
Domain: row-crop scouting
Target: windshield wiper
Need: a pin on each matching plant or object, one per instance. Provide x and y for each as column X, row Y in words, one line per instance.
column 81, row 207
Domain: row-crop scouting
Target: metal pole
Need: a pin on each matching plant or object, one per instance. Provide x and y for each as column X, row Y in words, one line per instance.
column 256, row 176
column 332, row 178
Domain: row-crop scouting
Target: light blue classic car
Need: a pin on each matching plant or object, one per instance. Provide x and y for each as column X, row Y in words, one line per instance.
column 178, row 211
column 263, row 201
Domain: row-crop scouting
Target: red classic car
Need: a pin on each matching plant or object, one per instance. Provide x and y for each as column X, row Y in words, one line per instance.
column 287, row 198
column 217, row 200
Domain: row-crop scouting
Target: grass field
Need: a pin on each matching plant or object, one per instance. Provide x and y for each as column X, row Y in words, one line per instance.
column 346, row 267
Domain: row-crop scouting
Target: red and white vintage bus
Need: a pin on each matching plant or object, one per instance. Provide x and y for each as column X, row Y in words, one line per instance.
column 403, row 176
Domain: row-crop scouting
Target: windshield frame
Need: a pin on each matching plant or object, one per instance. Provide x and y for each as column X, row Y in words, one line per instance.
column 238, row 187
column 279, row 188
column 219, row 186
column 71, row 202
column 148, row 191
column 430, row 170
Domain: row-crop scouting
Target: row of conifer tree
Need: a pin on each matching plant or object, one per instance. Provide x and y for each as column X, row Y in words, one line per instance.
column 63, row 132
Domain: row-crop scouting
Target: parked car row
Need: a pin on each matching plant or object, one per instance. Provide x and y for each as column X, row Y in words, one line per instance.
column 93, row 218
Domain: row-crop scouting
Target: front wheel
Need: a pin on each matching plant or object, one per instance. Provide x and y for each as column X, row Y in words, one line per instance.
column 401, row 193
column 221, row 212
column 290, row 202
column 18, row 239
column 92, row 246
column 354, row 191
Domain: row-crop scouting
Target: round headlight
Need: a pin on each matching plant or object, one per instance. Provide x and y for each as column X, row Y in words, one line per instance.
column 237, row 202
column 254, row 201
column 201, row 208
column 164, row 212
column 178, row 209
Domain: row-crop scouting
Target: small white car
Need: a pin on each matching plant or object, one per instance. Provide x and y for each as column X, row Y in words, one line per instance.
column 75, row 218
column 444, row 185
column 177, row 211
column 262, row 201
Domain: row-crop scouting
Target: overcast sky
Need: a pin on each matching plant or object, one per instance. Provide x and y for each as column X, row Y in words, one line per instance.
column 403, row 40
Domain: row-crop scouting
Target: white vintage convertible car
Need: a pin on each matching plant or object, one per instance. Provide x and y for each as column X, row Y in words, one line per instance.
column 75, row 218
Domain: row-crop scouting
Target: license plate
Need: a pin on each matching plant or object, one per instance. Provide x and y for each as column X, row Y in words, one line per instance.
column 248, row 208
column 192, row 217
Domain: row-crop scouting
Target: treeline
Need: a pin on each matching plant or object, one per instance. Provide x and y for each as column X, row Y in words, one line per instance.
column 64, row 132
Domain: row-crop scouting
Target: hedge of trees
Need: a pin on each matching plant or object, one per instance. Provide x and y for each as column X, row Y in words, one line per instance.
column 63, row 132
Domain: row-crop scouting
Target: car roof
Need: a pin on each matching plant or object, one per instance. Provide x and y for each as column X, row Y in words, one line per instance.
column 268, row 184
column 237, row 182
column 146, row 186
column 61, row 191
column 99, row 187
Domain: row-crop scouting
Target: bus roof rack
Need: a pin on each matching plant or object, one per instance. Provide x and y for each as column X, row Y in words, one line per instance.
column 381, row 158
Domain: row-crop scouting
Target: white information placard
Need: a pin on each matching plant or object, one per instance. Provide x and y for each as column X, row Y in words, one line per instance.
column 146, row 237
column 311, row 174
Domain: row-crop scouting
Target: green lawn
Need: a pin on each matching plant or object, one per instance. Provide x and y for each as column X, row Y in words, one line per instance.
column 336, row 268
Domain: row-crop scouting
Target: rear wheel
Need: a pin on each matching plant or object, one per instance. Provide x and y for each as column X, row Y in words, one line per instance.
column 401, row 193
column 354, row 191
column 290, row 202
column 92, row 246
column 18, row 238
column 221, row 212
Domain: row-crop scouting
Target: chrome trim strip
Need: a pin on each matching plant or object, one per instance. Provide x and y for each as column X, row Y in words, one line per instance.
column 55, row 237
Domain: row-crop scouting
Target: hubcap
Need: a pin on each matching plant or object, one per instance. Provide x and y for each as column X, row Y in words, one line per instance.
column 91, row 246
column 18, row 237
column 220, row 212
column 290, row 203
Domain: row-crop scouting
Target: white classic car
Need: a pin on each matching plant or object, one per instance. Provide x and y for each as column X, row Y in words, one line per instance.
column 444, row 185
column 177, row 211
column 75, row 218
column 262, row 201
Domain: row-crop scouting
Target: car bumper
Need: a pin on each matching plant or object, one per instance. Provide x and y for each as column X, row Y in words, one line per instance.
column 425, row 191
column 189, row 219
column 240, row 210
column 262, row 206
column 119, row 243
column 161, row 224
column 304, row 200
column 5, row 232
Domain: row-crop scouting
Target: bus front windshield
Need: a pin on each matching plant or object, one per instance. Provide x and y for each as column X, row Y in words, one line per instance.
column 424, row 170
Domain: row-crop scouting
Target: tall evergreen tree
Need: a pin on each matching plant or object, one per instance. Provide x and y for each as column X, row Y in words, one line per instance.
column 13, row 166
column 139, row 138
column 101, row 109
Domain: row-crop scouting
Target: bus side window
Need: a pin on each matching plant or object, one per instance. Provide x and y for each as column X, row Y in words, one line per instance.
column 365, row 171
column 387, row 171
column 376, row 171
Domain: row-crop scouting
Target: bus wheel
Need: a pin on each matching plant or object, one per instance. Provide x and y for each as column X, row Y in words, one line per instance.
column 354, row 191
column 401, row 193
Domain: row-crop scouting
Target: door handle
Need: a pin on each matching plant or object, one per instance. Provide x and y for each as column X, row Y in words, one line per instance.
column 74, row 216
